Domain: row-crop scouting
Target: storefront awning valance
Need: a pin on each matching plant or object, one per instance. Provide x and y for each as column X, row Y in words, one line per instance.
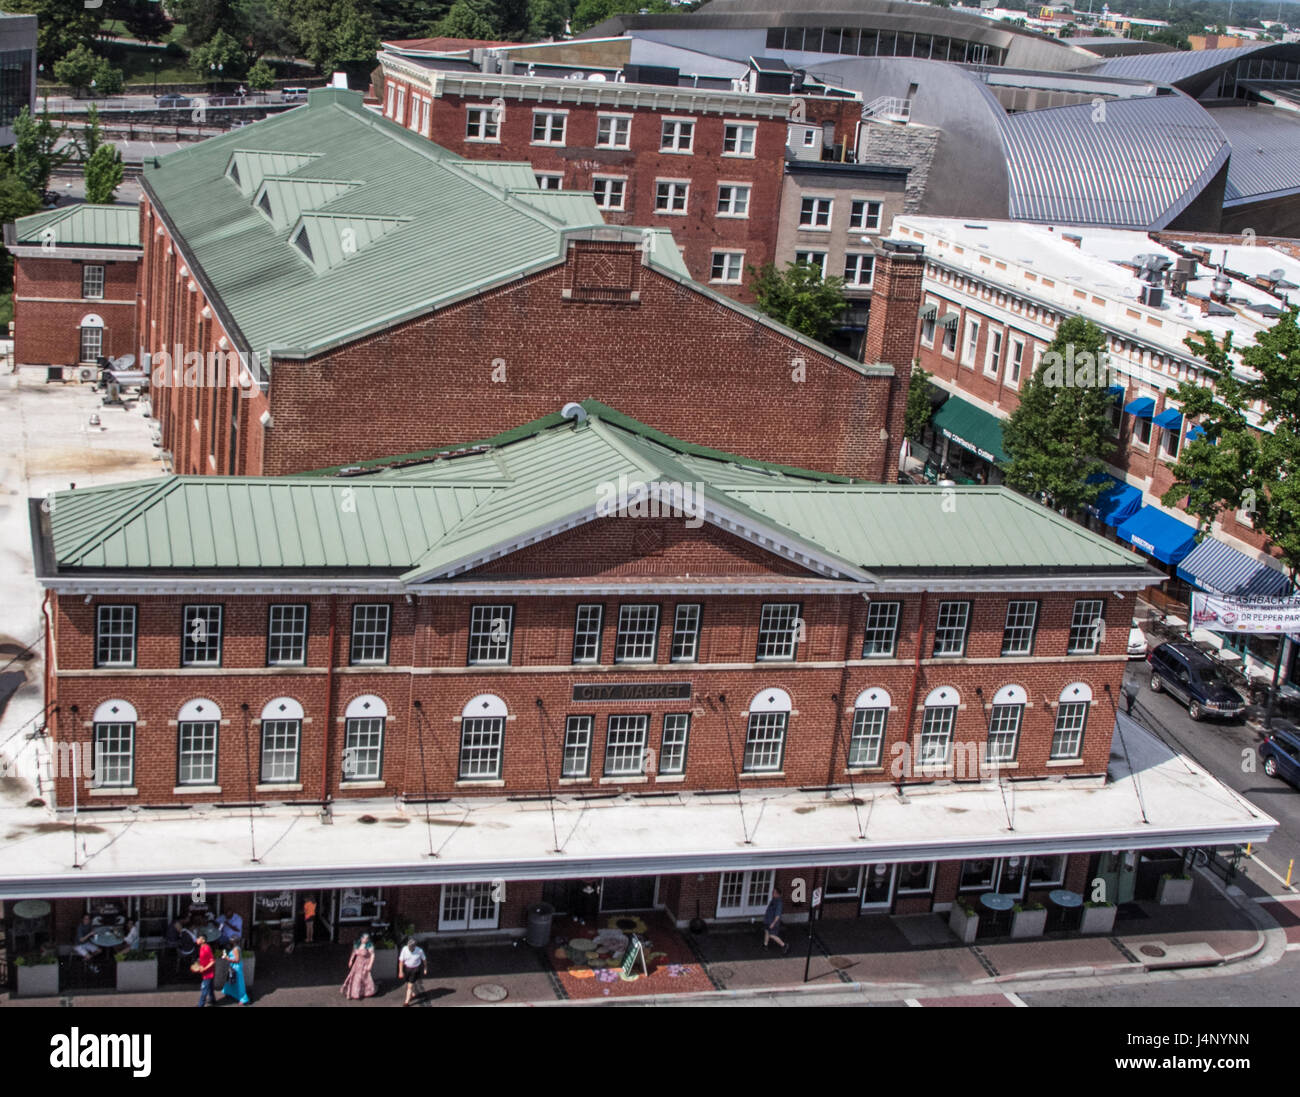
column 949, row 320
column 1117, row 502
column 1143, row 407
column 928, row 311
column 1195, row 432
column 1222, row 569
column 1116, row 390
column 971, row 428
column 1169, row 419
column 1158, row 534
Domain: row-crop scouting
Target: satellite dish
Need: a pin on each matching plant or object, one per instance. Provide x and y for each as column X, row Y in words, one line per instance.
column 125, row 362
column 597, row 77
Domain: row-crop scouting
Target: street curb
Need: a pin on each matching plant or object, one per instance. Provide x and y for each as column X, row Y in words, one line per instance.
column 737, row 992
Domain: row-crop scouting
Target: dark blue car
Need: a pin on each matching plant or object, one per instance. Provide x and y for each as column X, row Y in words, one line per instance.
column 1281, row 754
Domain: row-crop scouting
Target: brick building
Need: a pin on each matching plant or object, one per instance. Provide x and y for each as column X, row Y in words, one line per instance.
column 587, row 653
column 278, row 285
column 75, row 279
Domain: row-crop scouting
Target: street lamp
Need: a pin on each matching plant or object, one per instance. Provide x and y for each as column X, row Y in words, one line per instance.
column 157, row 65
column 218, row 69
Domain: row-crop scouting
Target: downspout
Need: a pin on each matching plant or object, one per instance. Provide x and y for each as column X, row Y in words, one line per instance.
column 51, row 696
column 916, row 679
column 839, row 703
column 329, row 709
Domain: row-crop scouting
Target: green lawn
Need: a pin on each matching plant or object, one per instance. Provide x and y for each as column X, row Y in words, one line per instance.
column 6, row 308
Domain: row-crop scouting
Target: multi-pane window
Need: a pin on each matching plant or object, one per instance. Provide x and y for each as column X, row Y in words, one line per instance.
column 286, row 636
column 480, row 747
column 586, row 633
column 196, row 752
column 670, row 197
column 868, row 736
column 929, row 321
column 280, row 741
column 1086, row 626
column 950, row 629
column 638, row 634
column 490, row 629
column 92, row 280
column 608, row 191
column 625, row 742
column 549, row 181
column 864, row 216
column 765, row 742
column 201, row 636
column 114, row 755
column 727, row 266
column 363, row 748
column 993, row 356
column 814, row 259
column 577, row 747
column 468, row 906
column 613, row 132
column 742, row 893
column 115, row 636
column 1067, row 736
column 678, row 136
column 881, row 633
column 815, row 213
column 778, row 630
column 1048, row 871
column 733, row 200
column 481, row 124
column 370, row 634
column 1004, row 732
column 936, row 733
column 916, row 877
column 1017, row 363
column 859, row 269
column 92, row 343
column 672, row 749
column 1169, row 441
column 686, row 633
column 972, row 340
column 738, row 139
column 1018, row 632
column 548, row 127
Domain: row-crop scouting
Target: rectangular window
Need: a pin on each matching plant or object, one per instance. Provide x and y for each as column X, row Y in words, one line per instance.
column 950, row 339
column 814, row 259
column 114, row 755
column 280, row 739
column 286, row 636
column 686, row 633
column 815, row 213
column 1047, row 872
column 1085, row 627
column 547, row 181
column 1004, row 732
column 881, row 634
column 936, row 733
column 490, row 631
column 670, row 197
column 745, row 893
column 608, row 190
column 613, row 131
column 738, row 139
column 481, row 124
column 370, row 626
column 1169, row 442
column 401, row 104
column 972, row 339
column 586, row 633
column 92, row 343
column 363, row 748
column 929, row 323
column 727, row 266
column 868, row 736
column 864, row 216
column 638, row 634
column 1017, row 362
column 92, row 281
column 916, row 878
column 196, row 753
column 778, row 631
column 678, row 136
column 950, row 628
column 577, row 747
column 765, row 742
column 392, row 92
column 480, row 747
column 548, row 127
column 1141, row 432
column 733, row 200
column 859, row 269
column 201, row 636
column 672, row 747
column 993, row 355
column 468, row 906
column 625, row 743
column 1067, row 736
column 115, row 636
column 977, row 875
column 1018, row 632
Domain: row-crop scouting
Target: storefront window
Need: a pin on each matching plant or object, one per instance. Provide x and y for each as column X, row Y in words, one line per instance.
column 361, row 905
column 272, row 907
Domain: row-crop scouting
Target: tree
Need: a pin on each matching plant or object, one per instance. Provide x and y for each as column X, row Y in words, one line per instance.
column 60, row 24
column 1057, row 437
column 203, row 18
column 103, row 174
column 590, row 12
column 919, row 407
column 800, row 298
column 470, row 19
column 332, row 34
column 261, row 77
column 221, row 49
column 91, row 135
column 16, row 200
column 511, row 19
column 77, row 68
column 407, row 18
column 143, row 19
column 264, row 30
column 546, row 18
column 108, row 80
column 34, row 155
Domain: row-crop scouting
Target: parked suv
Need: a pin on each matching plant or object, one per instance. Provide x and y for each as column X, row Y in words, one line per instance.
column 1187, row 673
column 1281, row 752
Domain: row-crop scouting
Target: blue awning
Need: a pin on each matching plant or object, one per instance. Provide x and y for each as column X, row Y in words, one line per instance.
column 1170, row 419
column 1158, row 535
column 1117, row 502
column 1142, row 407
column 1116, row 390
column 1195, row 432
column 1221, row 569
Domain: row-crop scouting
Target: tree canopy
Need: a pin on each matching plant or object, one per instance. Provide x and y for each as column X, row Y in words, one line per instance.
column 800, row 298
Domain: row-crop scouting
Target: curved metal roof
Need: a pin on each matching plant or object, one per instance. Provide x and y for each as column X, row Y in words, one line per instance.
column 1265, row 150
column 1190, row 70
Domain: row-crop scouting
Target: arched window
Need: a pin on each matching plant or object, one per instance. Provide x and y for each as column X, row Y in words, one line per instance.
column 363, row 738
column 1071, row 720
column 1005, row 717
column 197, row 726
column 92, row 337
column 937, row 724
column 870, row 715
column 482, row 738
column 281, row 741
column 114, row 737
column 769, row 717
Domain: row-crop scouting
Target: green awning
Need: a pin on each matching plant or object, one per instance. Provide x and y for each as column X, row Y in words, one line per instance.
column 971, row 428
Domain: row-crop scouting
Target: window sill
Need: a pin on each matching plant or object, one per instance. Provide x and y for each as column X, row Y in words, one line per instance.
column 762, row 776
column 641, row 780
column 733, row 216
column 678, row 152
column 855, row 771
column 1057, row 763
column 670, row 779
column 482, row 140
column 197, row 790
column 575, row 780
column 363, row 784
column 115, row 791
column 277, row 788
column 739, row 156
column 488, row 783
column 670, row 213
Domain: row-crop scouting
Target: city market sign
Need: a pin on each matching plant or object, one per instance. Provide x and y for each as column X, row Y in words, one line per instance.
column 632, row 691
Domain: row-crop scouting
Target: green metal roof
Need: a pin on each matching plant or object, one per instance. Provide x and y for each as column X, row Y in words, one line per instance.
column 444, row 515
column 83, row 225
column 975, row 428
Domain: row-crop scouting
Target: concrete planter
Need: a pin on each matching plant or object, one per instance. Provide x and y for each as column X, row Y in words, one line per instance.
column 1098, row 919
column 137, row 974
column 1174, row 892
column 38, row 980
column 966, row 926
column 1028, row 923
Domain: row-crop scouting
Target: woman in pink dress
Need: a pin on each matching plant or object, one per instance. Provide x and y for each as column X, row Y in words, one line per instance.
column 359, row 983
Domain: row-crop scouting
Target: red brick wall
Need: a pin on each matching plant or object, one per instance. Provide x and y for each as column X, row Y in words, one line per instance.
column 48, row 308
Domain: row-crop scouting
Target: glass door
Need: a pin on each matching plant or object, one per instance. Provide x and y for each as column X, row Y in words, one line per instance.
column 878, row 887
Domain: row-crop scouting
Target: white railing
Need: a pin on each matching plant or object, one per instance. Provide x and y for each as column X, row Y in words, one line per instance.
column 889, row 106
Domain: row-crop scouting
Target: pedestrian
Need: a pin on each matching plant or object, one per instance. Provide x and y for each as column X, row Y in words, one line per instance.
column 309, row 917
column 84, row 944
column 234, row 987
column 360, row 983
column 231, row 927
column 772, row 922
column 205, row 967
column 412, row 965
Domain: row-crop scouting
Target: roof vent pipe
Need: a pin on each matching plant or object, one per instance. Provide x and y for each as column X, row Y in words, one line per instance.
column 576, row 412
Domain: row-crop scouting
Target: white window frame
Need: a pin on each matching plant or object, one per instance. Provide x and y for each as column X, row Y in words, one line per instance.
column 812, row 259
column 363, row 740
column 586, row 630
column 401, row 104
column 578, row 731
column 728, row 257
column 277, row 632
column 482, row 126
column 899, row 889
column 119, row 759
column 119, row 636
column 856, row 281
column 627, row 737
column 816, row 212
column 199, row 718
column 778, row 632
column 994, row 347
column 549, row 180
column 1020, row 618
column 744, row 133
column 191, row 614
column 91, row 345
column 970, row 341
column 951, row 335
column 690, row 627
column 679, row 743
column 453, row 895
column 389, row 110
column 867, row 872
column 1177, row 435
column 758, row 881
column 366, row 631
column 1016, row 362
column 482, row 649
column 892, row 612
column 675, row 146
column 1084, row 637
column 288, row 730
column 868, row 217
column 950, row 611
column 92, row 275
column 482, row 760
column 674, row 190
column 870, row 727
column 735, row 202
column 765, row 741
column 1006, row 718
column 625, row 634
column 550, row 116
column 613, row 130
column 608, row 181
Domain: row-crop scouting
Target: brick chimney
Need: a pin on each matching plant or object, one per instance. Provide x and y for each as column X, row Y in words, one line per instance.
column 892, row 330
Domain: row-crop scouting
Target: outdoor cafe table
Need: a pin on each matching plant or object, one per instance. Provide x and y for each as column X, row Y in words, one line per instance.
column 1065, row 901
column 32, row 909
column 108, row 938
column 997, row 905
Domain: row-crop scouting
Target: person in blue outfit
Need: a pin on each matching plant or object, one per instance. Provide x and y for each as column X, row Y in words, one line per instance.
column 234, row 987
column 772, row 921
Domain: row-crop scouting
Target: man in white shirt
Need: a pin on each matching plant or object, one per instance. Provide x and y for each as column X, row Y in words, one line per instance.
column 412, row 965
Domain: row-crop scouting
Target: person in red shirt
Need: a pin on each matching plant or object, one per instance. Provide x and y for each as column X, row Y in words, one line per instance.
column 206, row 968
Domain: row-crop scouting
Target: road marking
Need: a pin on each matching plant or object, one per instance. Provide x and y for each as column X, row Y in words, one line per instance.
column 1294, row 946
column 1279, row 879
column 1016, row 1000
column 912, row 1002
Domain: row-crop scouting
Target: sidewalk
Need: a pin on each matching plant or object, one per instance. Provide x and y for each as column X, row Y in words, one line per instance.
column 894, row 958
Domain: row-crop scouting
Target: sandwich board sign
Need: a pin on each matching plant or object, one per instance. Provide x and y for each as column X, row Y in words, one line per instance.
column 635, row 952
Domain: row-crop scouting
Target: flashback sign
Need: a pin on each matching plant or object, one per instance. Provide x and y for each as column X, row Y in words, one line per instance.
column 1250, row 615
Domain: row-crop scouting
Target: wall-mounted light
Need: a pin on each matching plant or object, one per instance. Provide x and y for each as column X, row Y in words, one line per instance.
column 88, row 598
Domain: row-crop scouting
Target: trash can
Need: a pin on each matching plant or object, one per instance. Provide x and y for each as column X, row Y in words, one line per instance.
column 539, row 924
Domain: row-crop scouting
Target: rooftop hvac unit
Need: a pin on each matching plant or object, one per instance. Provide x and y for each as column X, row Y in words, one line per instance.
column 1152, row 296
column 86, row 373
column 1186, row 265
column 1178, row 282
